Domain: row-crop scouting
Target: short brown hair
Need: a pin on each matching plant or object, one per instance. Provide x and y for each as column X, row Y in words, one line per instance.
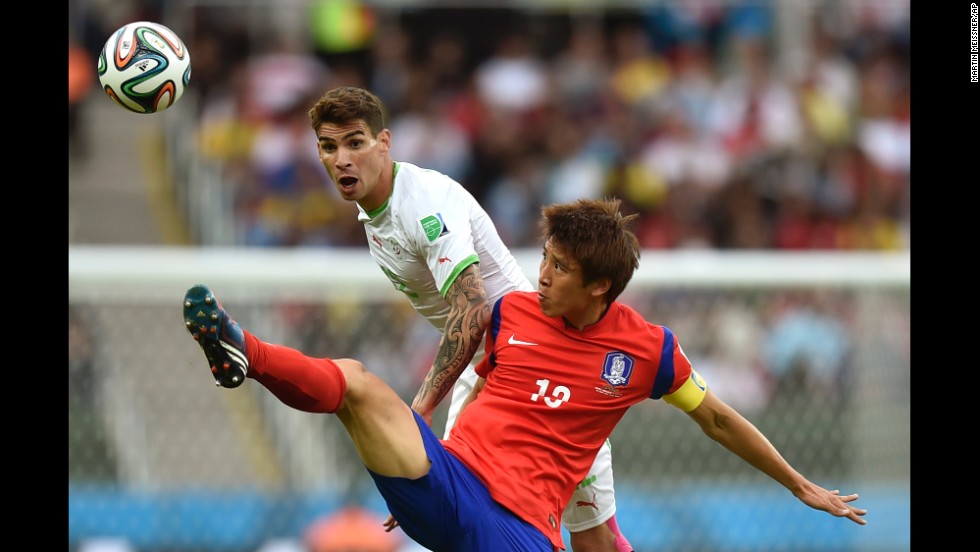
column 593, row 232
column 348, row 104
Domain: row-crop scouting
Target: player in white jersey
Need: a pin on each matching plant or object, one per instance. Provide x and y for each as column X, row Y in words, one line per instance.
column 428, row 232
column 440, row 248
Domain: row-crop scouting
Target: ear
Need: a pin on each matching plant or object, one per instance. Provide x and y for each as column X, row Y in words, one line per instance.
column 600, row 287
column 384, row 138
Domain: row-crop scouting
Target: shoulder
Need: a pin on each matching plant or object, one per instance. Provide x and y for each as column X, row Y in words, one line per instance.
column 629, row 319
column 628, row 314
column 415, row 174
column 520, row 296
column 419, row 189
column 519, row 301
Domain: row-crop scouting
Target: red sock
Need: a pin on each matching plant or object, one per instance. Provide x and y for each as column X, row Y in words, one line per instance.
column 622, row 545
column 302, row 382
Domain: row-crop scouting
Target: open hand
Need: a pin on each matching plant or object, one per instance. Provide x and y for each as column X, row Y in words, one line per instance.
column 834, row 503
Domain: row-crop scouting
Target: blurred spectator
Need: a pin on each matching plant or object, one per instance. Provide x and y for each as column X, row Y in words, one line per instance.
column 738, row 216
column 285, row 73
column 692, row 167
column 733, row 355
column 514, row 79
column 693, row 86
column 807, row 347
column 222, row 52
column 672, row 24
column 755, row 111
column 81, row 81
column 445, row 60
column 226, row 129
column 426, row 136
column 580, row 72
column 510, row 199
column 574, row 169
column 287, row 202
column 351, row 529
column 639, row 73
column 391, row 66
column 828, row 90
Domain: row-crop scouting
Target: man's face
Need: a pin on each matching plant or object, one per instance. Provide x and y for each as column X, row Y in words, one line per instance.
column 560, row 288
column 355, row 160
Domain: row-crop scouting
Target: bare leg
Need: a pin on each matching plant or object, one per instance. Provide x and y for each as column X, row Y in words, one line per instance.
column 381, row 425
column 596, row 539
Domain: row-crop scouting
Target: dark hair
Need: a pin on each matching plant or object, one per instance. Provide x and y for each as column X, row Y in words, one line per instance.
column 593, row 232
column 348, row 104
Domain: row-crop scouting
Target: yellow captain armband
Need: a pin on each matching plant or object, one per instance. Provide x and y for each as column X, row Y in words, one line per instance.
column 689, row 395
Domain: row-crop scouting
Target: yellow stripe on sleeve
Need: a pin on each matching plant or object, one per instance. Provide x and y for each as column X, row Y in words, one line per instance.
column 690, row 394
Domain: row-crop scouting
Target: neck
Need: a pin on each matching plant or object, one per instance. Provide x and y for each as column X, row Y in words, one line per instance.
column 588, row 317
column 381, row 192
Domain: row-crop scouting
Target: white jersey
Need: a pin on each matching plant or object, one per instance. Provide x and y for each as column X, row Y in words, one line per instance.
column 424, row 235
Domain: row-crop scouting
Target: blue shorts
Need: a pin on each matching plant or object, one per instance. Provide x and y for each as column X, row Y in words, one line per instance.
column 450, row 510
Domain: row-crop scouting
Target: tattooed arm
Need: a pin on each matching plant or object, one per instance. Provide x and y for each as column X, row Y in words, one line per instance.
column 469, row 314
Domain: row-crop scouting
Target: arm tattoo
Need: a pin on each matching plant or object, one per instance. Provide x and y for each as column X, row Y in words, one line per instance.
column 469, row 314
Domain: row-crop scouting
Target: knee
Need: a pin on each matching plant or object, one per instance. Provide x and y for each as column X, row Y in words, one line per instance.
column 360, row 381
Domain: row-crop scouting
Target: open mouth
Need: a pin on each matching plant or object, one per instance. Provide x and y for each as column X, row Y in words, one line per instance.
column 347, row 181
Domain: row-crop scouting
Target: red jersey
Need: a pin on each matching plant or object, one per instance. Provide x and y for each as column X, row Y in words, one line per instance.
column 553, row 395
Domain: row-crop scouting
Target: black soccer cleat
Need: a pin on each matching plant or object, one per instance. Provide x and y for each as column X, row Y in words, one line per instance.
column 221, row 338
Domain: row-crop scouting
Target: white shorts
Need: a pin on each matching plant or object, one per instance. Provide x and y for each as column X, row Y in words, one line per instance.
column 594, row 500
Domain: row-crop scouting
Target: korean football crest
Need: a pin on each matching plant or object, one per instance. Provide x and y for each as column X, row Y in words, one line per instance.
column 617, row 368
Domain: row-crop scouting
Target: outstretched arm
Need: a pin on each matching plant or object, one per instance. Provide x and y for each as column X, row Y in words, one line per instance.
column 469, row 314
column 725, row 425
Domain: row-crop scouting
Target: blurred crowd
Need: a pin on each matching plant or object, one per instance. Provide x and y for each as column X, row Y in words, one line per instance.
column 702, row 116
column 691, row 116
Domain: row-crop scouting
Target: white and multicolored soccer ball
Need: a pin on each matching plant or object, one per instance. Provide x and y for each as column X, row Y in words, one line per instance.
column 144, row 67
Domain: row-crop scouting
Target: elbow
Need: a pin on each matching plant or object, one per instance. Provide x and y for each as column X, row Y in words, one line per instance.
column 716, row 426
column 721, row 421
column 483, row 315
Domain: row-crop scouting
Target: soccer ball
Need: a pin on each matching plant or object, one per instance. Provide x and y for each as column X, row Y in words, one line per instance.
column 144, row 67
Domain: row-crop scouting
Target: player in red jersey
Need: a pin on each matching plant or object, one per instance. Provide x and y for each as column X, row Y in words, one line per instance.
column 563, row 365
